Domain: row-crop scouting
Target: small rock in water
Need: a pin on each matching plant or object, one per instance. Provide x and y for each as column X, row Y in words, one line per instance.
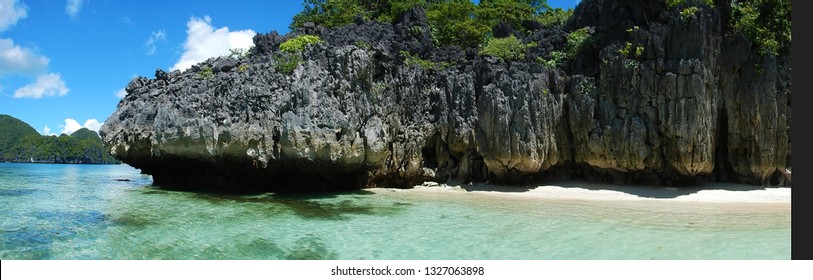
column 430, row 184
column 440, row 186
column 121, row 180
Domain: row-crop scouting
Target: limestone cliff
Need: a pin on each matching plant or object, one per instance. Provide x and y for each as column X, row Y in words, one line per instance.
column 694, row 104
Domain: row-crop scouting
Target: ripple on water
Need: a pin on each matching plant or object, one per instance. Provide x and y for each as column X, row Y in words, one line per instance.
column 78, row 218
column 31, row 244
column 321, row 207
column 16, row 192
column 310, row 248
column 259, row 248
column 36, row 240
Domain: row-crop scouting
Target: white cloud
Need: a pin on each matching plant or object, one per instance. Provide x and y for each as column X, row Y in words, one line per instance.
column 47, row 131
column 156, row 36
column 15, row 59
column 10, row 12
column 73, row 7
column 203, row 42
column 72, row 125
column 46, row 85
column 121, row 93
column 92, row 124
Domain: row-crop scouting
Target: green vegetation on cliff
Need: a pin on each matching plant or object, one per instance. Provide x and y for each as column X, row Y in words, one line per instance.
column 577, row 41
column 675, row 3
column 510, row 12
column 767, row 23
column 415, row 61
column 19, row 142
column 454, row 22
column 509, row 48
column 299, row 43
column 337, row 13
column 292, row 49
column 555, row 18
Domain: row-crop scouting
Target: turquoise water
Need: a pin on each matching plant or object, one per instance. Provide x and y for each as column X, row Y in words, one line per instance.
column 112, row 212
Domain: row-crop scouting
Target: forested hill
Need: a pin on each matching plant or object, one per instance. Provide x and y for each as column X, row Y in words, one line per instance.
column 19, row 142
column 11, row 131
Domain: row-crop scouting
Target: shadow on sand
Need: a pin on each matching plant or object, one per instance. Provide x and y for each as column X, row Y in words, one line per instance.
column 645, row 191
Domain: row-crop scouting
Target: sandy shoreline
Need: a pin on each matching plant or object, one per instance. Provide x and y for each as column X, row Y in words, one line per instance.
column 580, row 190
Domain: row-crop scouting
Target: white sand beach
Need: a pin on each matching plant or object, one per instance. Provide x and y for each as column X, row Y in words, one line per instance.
column 582, row 190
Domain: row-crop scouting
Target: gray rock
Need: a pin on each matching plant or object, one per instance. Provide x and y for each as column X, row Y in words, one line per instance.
column 693, row 106
column 224, row 65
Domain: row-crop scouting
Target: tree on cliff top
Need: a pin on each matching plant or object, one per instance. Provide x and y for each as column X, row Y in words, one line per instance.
column 337, row 13
column 510, row 12
column 454, row 22
column 767, row 23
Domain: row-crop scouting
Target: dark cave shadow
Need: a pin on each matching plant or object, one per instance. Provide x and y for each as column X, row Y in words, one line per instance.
column 645, row 191
column 498, row 188
column 305, row 205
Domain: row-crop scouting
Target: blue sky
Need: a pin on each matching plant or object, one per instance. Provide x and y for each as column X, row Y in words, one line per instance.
column 64, row 64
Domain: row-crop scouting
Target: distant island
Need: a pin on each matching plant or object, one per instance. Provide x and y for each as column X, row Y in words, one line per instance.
column 19, row 142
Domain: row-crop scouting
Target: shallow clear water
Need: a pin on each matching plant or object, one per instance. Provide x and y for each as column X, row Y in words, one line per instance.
column 84, row 212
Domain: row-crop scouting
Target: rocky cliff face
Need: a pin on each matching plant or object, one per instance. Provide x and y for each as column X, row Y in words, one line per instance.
column 694, row 105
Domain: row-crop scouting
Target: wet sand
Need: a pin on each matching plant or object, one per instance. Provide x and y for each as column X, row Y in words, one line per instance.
column 590, row 191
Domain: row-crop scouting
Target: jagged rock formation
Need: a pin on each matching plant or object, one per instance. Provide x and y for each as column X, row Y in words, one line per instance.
column 695, row 105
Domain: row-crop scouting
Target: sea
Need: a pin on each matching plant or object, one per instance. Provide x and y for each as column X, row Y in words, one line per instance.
column 101, row 212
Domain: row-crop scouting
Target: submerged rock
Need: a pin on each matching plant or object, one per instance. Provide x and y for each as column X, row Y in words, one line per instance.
column 694, row 105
